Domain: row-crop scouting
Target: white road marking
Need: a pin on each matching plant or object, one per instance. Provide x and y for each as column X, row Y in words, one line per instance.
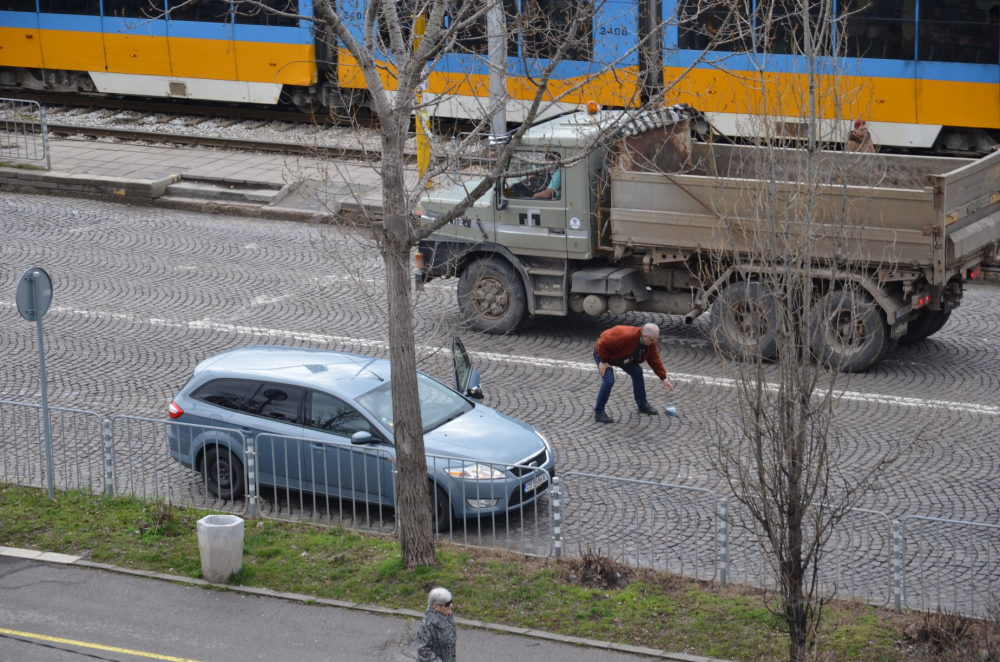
column 328, row 339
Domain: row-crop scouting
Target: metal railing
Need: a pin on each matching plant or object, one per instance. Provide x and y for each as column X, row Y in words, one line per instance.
column 21, row 136
column 856, row 559
column 149, row 457
column 950, row 564
column 646, row 524
column 918, row 562
column 78, row 441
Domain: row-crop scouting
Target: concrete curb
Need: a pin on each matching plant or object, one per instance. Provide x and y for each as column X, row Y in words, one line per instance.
column 67, row 559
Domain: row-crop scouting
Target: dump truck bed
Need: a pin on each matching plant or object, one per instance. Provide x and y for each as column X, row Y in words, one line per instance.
column 929, row 213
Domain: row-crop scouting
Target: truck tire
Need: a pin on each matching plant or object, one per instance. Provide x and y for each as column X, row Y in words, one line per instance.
column 927, row 323
column 849, row 331
column 491, row 296
column 743, row 321
column 940, row 319
column 918, row 328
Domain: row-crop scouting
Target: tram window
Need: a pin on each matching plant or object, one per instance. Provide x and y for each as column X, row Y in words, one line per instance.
column 18, row 5
column 247, row 14
column 201, row 11
column 78, row 7
column 133, row 8
column 966, row 32
column 882, row 30
column 779, row 28
column 546, row 26
column 472, row 39
column 714, row 26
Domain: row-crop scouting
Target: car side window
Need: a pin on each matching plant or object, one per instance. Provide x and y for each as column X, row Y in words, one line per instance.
column 278, row 402
column 231, row 394
column 335, row 416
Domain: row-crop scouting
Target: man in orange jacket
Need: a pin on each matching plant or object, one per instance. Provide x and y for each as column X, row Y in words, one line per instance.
column 626, row 347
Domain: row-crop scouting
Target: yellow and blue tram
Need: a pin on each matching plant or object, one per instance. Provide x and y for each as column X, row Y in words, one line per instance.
column 924, row 73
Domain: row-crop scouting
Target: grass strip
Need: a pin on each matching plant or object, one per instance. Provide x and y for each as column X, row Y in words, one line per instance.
column 20, row 166
column 652, row 609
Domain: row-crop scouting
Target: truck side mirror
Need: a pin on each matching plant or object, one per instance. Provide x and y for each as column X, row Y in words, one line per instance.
column 499, row 202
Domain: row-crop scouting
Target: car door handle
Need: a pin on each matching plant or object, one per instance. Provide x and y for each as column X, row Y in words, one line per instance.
column 319, row 447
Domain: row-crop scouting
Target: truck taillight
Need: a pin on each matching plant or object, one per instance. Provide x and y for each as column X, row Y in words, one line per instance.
column 418, row 260
column 174, row 410
column 974, row 273
column 921, row 300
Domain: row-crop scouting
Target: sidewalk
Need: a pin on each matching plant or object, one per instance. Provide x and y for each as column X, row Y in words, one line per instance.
column 120, row 610
column 279, row 186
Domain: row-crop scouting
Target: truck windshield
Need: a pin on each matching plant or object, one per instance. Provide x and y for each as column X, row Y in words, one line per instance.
column 438, row 403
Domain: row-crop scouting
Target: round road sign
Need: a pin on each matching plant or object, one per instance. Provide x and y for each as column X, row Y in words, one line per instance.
column 34, row 294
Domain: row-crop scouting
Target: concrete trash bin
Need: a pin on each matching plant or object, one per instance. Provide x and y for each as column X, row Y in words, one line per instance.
column 220, row 542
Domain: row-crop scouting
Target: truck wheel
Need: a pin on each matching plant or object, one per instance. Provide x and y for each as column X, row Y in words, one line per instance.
column 927, row 323
column 849, row 331
column 940, row 319
column 744, row 319
column 491, row 296
column 918, row 328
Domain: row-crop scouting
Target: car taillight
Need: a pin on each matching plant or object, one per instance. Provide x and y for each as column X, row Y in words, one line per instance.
column 175, row 411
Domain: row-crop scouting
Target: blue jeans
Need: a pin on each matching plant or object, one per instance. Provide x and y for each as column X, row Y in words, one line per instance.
column 638, row 384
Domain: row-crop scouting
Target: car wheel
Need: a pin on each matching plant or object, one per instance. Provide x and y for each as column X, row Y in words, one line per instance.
column 743, row 321
column 849, row 332
column 491, row 296
column 222, row 472
column 440, row 509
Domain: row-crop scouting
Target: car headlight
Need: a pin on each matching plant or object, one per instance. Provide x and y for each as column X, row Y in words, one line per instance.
column 476, row 472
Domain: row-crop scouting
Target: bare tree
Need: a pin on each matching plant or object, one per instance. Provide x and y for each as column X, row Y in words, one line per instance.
column 792, row 314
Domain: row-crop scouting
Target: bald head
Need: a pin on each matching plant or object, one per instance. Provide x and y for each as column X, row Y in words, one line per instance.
column 650, row 332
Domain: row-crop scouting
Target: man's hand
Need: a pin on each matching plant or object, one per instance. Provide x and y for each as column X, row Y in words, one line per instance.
column 601, row 367
column 667, row 386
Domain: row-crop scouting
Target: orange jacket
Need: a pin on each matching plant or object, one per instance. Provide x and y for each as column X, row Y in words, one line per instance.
column 620, row 341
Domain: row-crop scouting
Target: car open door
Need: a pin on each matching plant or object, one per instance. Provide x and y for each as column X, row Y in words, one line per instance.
column 466, row 376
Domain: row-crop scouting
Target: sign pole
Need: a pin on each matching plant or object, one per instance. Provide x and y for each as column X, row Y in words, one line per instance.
column 34, row 296
column 37, row 284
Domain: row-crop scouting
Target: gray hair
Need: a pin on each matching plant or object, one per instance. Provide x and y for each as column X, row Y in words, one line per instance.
column 438, row 596
column 651, row 330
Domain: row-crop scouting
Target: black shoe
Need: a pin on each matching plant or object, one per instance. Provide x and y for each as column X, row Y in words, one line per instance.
column 601, row 417
column 644, row 408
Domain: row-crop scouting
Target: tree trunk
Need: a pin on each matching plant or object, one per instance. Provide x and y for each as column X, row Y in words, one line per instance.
column 413, row 511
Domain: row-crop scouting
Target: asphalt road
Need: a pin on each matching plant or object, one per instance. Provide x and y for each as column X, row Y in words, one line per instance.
column 64, row 614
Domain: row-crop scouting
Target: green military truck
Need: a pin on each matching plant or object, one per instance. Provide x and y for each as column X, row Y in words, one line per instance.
column 645, row 223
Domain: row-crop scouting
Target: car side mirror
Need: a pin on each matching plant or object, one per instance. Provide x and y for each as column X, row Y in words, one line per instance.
column 361, row 438
column 474, row 390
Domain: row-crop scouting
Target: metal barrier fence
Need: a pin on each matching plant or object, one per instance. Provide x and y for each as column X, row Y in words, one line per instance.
column 924, row 563
column 21, row 137
column 78, row 441
column 950, row 564
column 145, row 454
column 495, row 504
column 856, row 560
column 646, row 524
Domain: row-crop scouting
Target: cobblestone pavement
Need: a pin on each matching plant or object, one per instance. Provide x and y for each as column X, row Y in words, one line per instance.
column 142, row 295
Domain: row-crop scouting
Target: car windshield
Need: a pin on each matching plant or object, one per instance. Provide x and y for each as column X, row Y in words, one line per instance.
column 438, row 403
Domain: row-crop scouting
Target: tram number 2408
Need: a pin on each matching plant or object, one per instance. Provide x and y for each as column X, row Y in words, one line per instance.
column 616, row 31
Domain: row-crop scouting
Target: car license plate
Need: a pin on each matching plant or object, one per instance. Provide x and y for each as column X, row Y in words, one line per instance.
column 535, row 482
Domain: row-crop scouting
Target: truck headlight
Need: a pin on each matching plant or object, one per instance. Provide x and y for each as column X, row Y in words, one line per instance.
column 476, row 472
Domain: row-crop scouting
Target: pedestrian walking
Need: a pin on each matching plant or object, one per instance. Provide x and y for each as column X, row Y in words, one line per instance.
column 626, row 347
column 436, row 637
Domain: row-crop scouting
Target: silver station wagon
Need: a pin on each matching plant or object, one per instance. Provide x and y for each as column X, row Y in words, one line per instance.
column 322, row 422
